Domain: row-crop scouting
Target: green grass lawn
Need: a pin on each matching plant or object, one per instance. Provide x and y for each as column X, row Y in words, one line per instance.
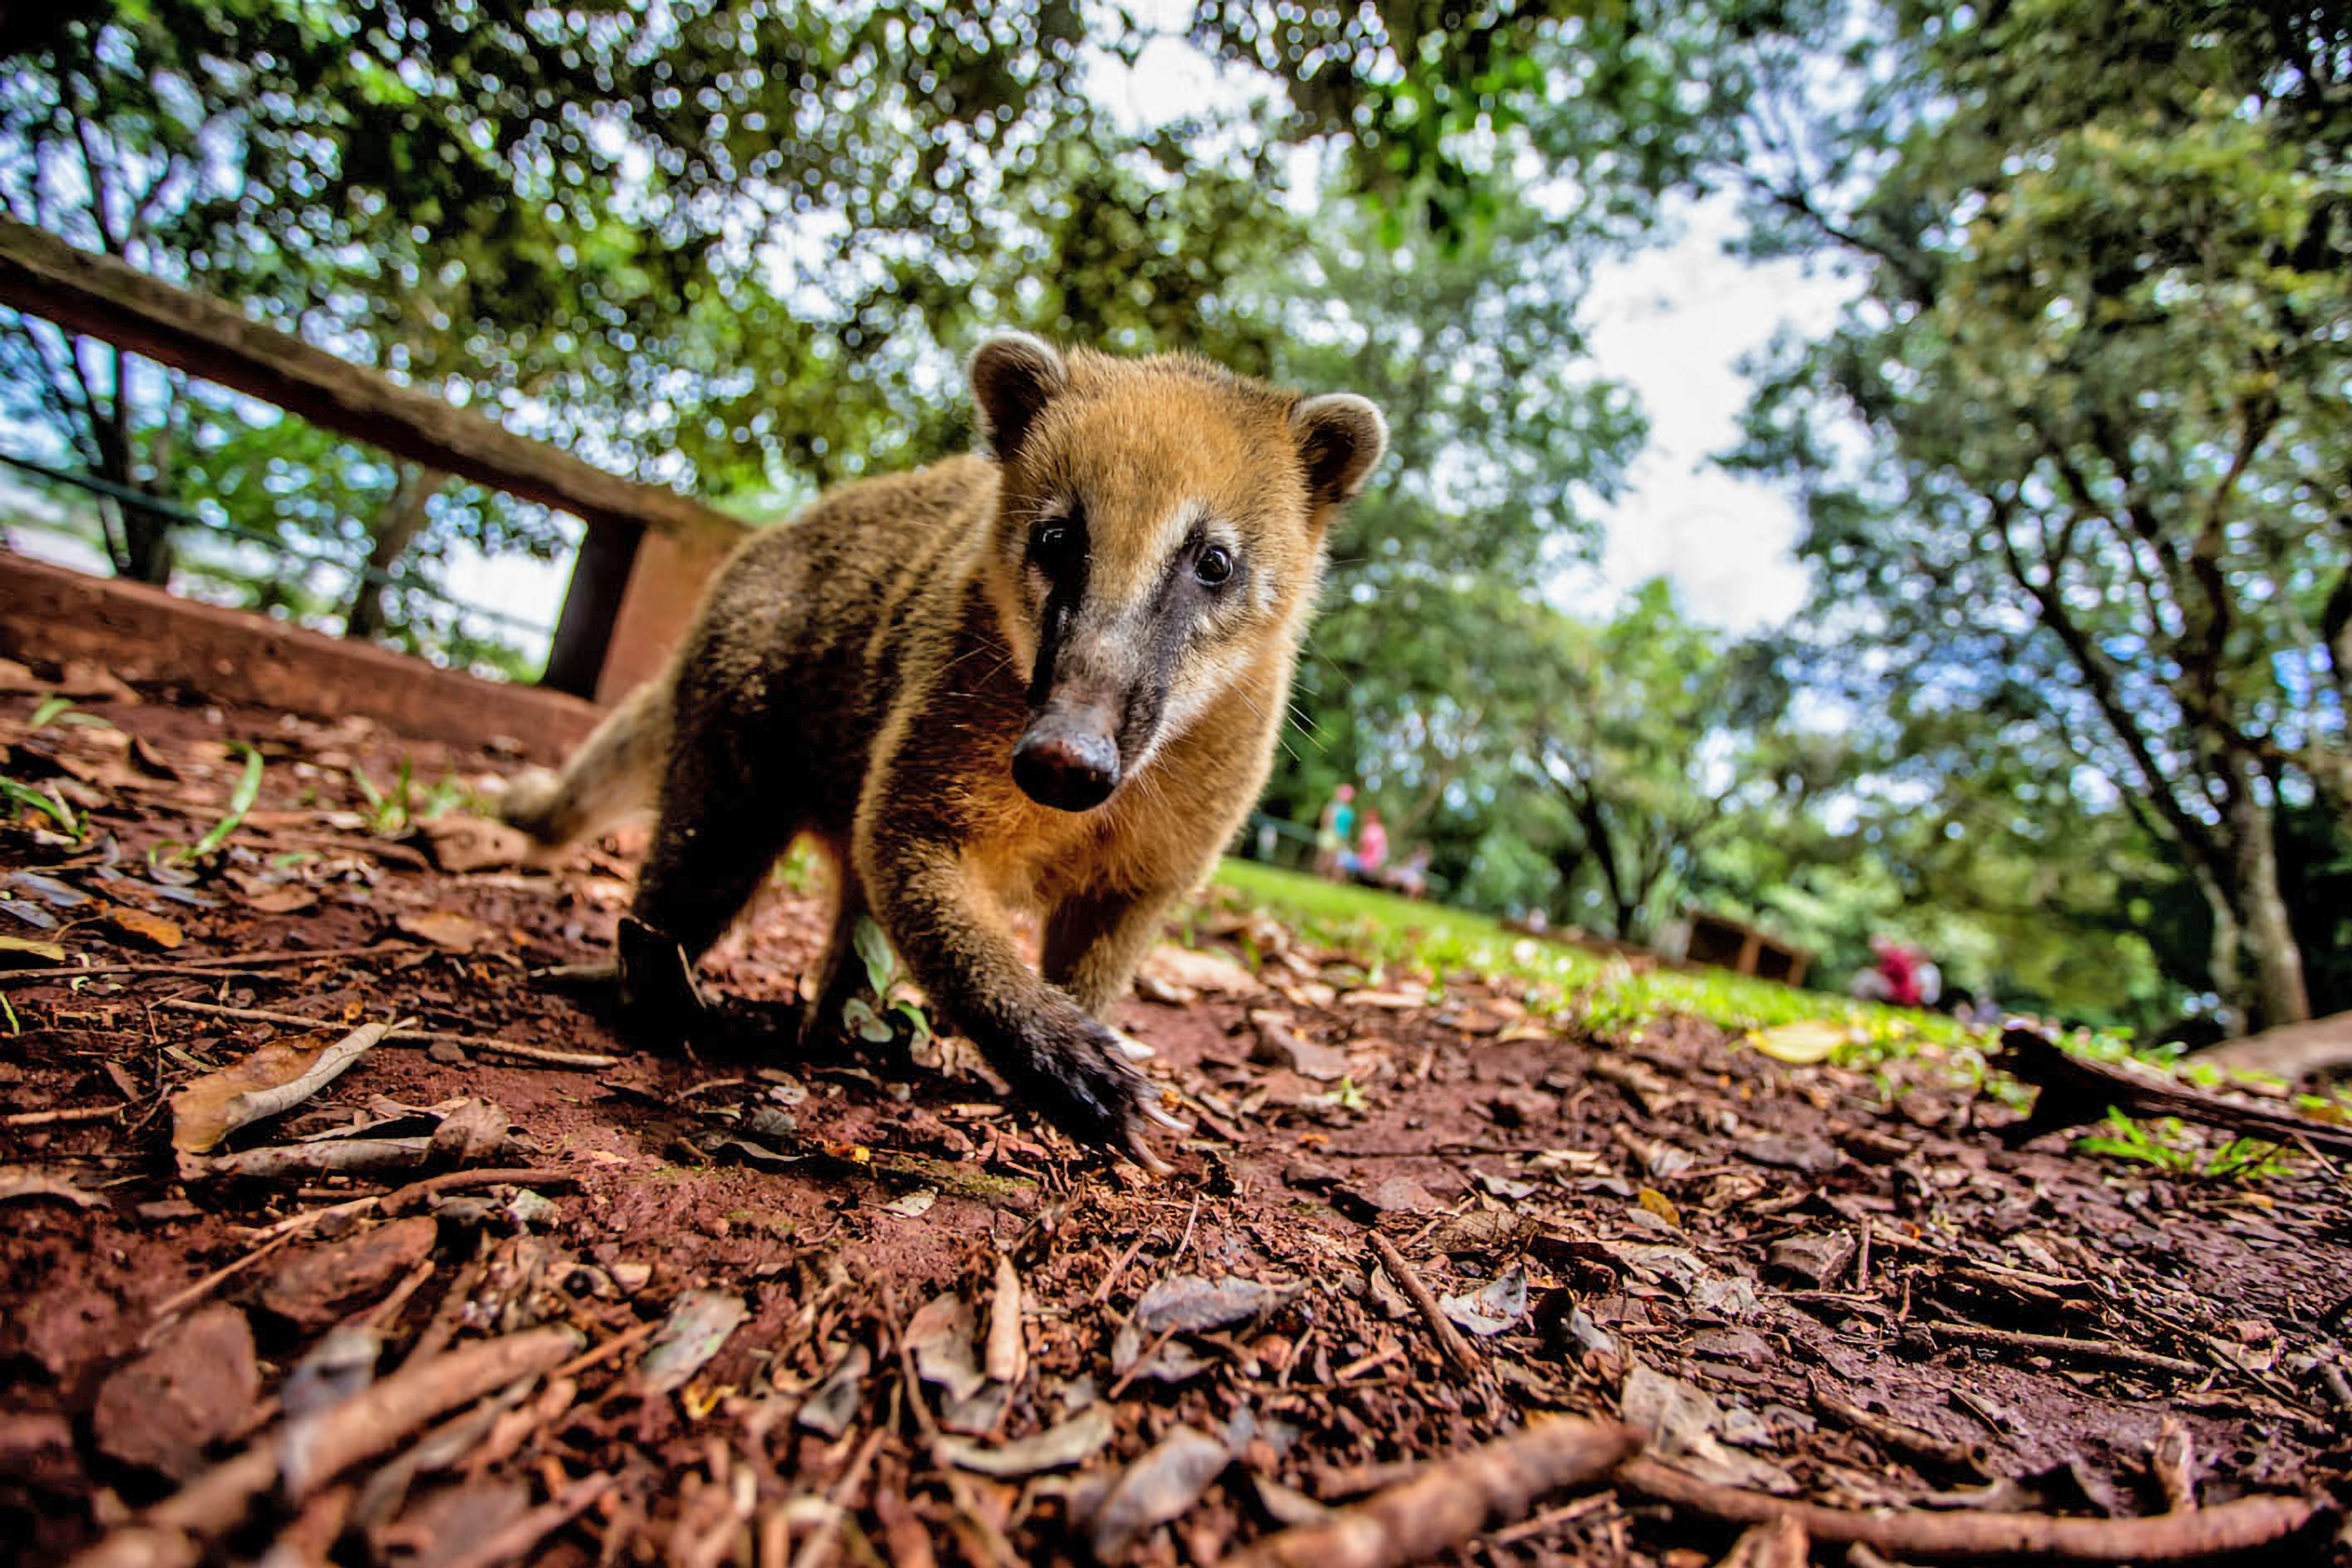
column 1422, row 942
column 1406, row 943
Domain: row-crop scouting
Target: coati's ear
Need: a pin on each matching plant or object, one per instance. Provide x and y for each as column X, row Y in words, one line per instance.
column 1340, row 439
column 1012, row 376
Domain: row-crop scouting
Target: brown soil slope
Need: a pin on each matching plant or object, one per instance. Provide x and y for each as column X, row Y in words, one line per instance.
column 861, row 1310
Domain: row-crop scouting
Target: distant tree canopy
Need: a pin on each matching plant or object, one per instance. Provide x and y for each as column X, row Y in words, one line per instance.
column 2104, row 365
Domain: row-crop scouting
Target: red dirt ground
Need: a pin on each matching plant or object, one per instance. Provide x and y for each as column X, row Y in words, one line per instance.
column 1786, row 1273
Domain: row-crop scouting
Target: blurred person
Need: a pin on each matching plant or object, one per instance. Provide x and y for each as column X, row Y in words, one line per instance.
column 1372, row 852
column 1410, row 876
column 1335, row 833
column 1903, row 977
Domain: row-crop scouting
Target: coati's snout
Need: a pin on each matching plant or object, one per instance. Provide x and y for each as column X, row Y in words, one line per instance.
column 1068, row 757
column 1087, row 727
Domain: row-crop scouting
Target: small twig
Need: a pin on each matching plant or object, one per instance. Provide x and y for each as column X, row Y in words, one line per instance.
column 1102, row 1292
column 1449, row 1338
column 2339, row 1387
column 2059, row 1345
column 1861, row 1256
column 911, row 1381
column 818, row 1547
column 1553, row 1518
column 1141, row 1361
column 406, row 1036
column 225, row 966
column 365, row 1425
column 1007, row 1353
column 1185, row 1241
column 60, row 1117
column 2172, row 1461
column 518, row 1538
column 1450, row 1501
column 1905, row 1533
column 203, row 1287
column 1902, row 1436
column 597, row 1355
column 1779, row 1542
column 2076, row 1091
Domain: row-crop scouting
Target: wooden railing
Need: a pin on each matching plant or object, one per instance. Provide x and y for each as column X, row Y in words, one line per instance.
column 647, row 551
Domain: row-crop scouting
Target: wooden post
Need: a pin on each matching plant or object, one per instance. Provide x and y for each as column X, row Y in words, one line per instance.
column 105, row 298
column 592, row 606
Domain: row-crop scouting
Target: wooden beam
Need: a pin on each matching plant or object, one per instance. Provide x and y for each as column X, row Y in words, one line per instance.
column 103, row 298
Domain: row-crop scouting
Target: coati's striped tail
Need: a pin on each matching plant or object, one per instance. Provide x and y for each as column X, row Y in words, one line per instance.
column 612, row 773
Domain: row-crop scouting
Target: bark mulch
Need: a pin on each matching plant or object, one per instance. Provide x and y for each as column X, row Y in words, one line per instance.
column 338, row 1225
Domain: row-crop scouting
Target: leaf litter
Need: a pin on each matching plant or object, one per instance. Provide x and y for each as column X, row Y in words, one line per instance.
column 544, row 1311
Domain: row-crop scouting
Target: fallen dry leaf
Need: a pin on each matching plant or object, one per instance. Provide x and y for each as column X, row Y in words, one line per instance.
column 1073, row 1442
column 445, row 928
column 1801, row 1043
column 1499, row 1304
column 1156, row 1488
column 18, row 1183
column 275, row 1078
column 915, row 1205
column 314, row 1288
column 286, row 900
column 697, row 1326
column 1279, row 1045
column 1689, row 1430
column 198, row 1385
column 463, row 843
column 1181, row 969
column 23, row 951
column 147, row 930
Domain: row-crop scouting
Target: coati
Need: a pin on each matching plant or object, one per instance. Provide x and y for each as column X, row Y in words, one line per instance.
column 1047, row 676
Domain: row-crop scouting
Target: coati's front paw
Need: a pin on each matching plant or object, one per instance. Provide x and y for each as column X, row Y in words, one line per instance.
column 1090, row 1088
column 659, row 995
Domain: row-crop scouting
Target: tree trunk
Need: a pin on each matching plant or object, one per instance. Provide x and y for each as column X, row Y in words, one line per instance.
column 396, row 527
column 2223, row 967
column 2292, row 1052
column 2270, row 938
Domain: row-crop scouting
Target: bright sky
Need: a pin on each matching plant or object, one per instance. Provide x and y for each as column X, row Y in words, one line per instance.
column 1674, row 323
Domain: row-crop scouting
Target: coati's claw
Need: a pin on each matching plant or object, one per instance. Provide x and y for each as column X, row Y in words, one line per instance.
column 1163, row 1118
column 1130, row 1047
column 657, row 989
column 1141, row 1152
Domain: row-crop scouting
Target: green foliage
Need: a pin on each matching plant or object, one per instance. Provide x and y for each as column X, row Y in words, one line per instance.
column 1572, row 984
column 893, row 992
column 725, row 245
column 21, row 796
column 2168, row 1145
column 393, row 812
column 241, row 796
column 2097, row 543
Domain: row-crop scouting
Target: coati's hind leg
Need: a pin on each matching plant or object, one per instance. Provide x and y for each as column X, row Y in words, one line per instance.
column 716, row 838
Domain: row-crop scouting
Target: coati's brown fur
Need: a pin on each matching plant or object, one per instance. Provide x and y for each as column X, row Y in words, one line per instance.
column 941, row 674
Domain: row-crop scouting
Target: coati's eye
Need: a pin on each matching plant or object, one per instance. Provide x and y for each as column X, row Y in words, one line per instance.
column 1215, row 565
column 1051, row 544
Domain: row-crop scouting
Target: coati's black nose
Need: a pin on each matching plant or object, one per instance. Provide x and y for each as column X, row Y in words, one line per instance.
column 1068, row 766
